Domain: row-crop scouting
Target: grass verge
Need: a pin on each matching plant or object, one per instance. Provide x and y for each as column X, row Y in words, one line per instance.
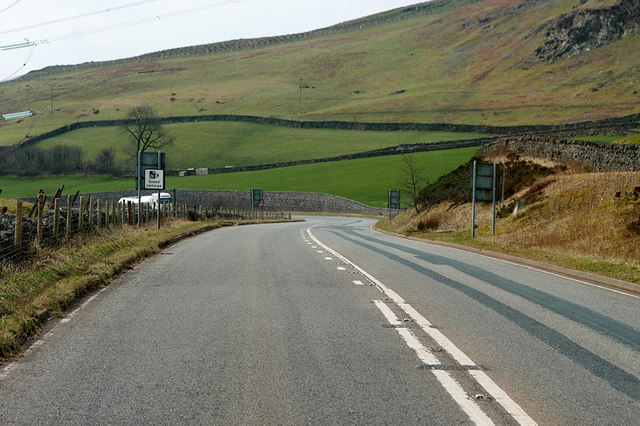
column 581, row 221
column 54, row 281
column 579, row 262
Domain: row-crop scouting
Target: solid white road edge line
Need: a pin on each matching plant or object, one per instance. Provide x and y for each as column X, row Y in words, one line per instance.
column 481, row 377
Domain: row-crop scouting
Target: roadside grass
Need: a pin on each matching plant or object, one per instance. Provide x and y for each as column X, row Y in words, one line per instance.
column 577, row 222
column 57, row 278
column 220, row 144
column 364, row 180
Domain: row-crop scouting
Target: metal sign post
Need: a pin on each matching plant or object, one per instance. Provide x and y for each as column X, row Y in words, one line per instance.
column 493, row 207
column 139, row 184
column 473, row 199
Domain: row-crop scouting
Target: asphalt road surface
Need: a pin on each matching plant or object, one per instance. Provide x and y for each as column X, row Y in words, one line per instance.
column 330, row 322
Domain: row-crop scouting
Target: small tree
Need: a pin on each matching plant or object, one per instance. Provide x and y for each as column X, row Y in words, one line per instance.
column 412, row 180
column 105, row 162
column 145, row 130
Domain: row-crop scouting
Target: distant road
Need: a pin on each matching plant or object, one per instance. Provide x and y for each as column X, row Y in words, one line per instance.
column 330, row 322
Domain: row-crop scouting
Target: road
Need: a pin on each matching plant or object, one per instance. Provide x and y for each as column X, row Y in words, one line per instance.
column 330, row 322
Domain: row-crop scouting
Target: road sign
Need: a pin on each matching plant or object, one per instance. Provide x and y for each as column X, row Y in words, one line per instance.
column 394, row 199
column 262, row 204
column 483, row 188
column 484, row 182
column 149, row 161
column 153, row 179
column 256, row 197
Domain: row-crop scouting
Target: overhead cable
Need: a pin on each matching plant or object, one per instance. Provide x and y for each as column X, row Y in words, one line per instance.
column 26, row 61
column 9, row 7
column 73, row 18
column 141, row 21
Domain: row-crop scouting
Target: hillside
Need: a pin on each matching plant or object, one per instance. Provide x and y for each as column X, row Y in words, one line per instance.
column 552, row 212
column 462, row 61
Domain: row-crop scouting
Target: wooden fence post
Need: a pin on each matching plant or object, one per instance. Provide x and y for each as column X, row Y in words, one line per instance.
column 129, row 218
column 67, row 234
column 40, row 210
column 90, row 214
column 99, row 214
column 17, row 239
column 56, row 222
column 81, row 218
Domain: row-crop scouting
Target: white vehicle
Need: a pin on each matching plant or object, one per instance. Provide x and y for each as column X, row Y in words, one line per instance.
column 165, row 198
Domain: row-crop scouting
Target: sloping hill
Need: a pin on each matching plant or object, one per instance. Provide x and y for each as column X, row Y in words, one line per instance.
column 463, row 61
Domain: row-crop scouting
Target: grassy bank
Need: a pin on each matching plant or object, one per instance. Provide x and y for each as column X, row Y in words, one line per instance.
column 575, row 221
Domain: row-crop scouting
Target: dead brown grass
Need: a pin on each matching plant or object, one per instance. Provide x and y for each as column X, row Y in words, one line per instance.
column 575, row 220
column 580, row 214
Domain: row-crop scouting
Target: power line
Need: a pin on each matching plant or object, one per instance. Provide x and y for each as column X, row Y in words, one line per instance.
column 115, row 26
column 26, row 61
column 73, row 18
column 9, row 7
column 140, row 21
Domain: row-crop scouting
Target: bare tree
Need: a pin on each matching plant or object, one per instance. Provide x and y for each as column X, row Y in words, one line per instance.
column 145, row 130
column 412, row 179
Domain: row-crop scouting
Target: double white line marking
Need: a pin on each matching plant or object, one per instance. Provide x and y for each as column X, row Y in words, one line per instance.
column 466, row 403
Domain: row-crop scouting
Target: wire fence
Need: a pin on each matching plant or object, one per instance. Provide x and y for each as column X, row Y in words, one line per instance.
column 26, row 228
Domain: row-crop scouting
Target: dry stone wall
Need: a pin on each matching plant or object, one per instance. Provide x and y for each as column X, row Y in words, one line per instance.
column 591, row 155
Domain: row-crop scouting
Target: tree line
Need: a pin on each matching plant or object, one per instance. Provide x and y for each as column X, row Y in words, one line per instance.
column 58, row 160
column 142, row 127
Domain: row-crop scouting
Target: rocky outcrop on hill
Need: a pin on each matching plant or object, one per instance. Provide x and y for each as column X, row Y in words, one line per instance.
column 585, row 29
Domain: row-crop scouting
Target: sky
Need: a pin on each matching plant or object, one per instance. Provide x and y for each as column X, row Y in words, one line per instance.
column 64, row 32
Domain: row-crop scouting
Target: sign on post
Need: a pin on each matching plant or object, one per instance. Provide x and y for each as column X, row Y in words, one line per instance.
column 393, row 201
column 149, row 161
column 484, row 182
column 153, row 179
column 256, row 197
column 149, row 175
column 483, row 188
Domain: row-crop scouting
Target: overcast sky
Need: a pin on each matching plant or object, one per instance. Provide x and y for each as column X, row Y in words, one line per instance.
column 76, row 31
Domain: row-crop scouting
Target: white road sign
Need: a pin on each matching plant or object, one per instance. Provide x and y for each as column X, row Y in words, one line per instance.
column 153, row 179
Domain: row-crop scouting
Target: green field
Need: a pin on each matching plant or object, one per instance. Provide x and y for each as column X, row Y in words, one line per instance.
column 365, row 180
column 219, row 144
